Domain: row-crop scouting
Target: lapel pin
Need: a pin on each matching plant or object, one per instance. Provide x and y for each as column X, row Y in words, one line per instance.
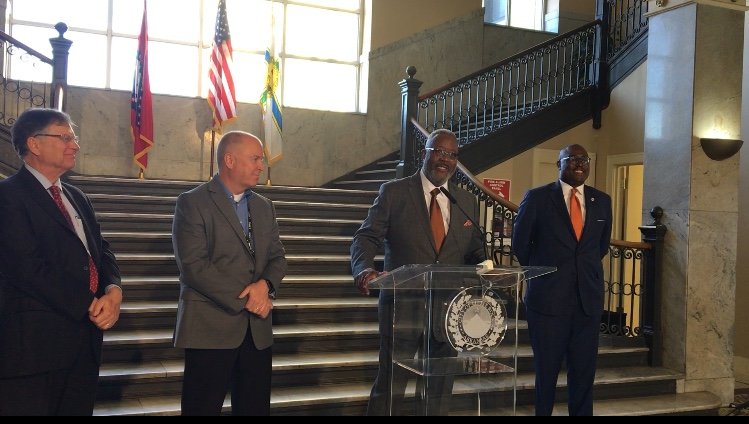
column 592, row 199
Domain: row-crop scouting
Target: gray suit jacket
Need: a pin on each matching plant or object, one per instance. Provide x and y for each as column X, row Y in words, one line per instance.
column 399, row 218
column 215, row 265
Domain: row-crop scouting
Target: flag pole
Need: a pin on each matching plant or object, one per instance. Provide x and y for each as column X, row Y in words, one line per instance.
column 213, row 143
column 141, row 174
column 267, row 182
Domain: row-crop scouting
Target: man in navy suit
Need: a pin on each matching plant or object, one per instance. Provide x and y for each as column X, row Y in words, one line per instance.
column 564, row 308
column 400, row 219
column 59, row 282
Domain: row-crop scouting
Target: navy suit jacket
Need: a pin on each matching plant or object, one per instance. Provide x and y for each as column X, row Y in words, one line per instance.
column 44, row 277
column 543, row 236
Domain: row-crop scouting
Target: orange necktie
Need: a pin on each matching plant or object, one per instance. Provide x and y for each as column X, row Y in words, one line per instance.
column 435, row 219
column 576, row 213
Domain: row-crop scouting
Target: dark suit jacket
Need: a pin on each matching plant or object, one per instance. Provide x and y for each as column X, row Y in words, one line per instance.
column 44, row 277
column 543, row 235
column 216, row 265
column 399, row 218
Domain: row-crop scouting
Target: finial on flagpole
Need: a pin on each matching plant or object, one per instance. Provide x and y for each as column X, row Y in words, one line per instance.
column 141, row 174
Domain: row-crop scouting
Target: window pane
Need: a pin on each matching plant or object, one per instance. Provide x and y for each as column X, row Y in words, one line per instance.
column 249, row 76
column 318, row 85
column 173, row 69
column 249, row 23
column 128, row 14
column 87, row 63
column 84, row 14
column 123, row 63
column 177, row 20
column 29, row 68
column 322, row 33
column 351, row 5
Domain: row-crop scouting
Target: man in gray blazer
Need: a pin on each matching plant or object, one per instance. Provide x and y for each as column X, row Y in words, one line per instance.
column 231, row 261
column 400, row 219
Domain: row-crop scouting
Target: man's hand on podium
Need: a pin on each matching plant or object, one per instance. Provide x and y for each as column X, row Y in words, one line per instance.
column 361, row 281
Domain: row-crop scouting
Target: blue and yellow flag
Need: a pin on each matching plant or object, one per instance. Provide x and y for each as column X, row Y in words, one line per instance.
column 272, row 109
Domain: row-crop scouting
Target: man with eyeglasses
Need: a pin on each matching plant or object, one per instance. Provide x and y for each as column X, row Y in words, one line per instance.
column 400, row 219
column 231, row 262
column 567, row 225
column 59, row 281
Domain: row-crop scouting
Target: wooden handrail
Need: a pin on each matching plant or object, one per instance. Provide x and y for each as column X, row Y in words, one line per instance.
column 27, row 49
column 489, row 193
column 631, row 244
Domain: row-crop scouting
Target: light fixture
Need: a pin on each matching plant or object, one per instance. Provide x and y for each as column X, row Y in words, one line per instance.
column 720, row 148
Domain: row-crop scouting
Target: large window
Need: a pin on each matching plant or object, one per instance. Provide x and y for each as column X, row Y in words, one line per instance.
column 527, row 14
column 319, row 44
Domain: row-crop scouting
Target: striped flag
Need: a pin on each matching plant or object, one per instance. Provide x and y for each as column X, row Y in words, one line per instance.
column 221, row 88
column 141, row 110
column 272, row 110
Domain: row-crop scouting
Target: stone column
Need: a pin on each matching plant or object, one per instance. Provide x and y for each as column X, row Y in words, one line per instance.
column 695, row 51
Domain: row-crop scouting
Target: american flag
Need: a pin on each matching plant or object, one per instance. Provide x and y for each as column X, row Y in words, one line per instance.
column 141, row 110
column 221, row 89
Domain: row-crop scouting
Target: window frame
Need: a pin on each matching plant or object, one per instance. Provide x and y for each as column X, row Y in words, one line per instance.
column 202, row 45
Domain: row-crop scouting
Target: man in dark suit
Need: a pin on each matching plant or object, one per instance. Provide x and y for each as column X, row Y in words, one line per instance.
column 564, row 308
column 400, row 218
column 231, row 261
column 59, row 282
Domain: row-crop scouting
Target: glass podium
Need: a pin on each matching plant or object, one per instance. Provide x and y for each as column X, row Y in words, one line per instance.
column 447, row 326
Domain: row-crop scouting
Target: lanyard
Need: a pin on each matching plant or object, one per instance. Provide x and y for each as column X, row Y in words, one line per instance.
column 248, row 236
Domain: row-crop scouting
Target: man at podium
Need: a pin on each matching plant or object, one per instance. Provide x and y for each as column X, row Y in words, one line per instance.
column 417, row 224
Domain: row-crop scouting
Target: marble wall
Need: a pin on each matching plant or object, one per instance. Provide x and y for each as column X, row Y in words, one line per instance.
column 741, row 345
column 688, row 95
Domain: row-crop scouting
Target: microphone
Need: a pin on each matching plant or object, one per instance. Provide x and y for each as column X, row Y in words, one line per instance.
column 475, row 224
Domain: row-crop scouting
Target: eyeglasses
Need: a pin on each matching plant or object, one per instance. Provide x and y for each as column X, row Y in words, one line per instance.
column 66, row 138
column 577, row 160
column 444, row 154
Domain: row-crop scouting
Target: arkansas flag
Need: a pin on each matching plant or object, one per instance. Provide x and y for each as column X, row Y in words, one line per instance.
column 141, row 111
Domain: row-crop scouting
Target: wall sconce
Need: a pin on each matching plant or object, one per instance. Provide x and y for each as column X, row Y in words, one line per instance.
column 720, row 148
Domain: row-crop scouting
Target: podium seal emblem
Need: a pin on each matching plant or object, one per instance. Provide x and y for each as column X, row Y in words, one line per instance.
column 476, row 322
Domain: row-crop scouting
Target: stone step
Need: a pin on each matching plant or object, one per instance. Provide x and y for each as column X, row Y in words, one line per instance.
column 284, row 208
column 129, row 222
column 493, row 392
column 140, row 288
column 170, row 188
column 156, row 344
column 377, row 174
column 368, row 184
column 161, row 242
column 154, row 314
column 163, row 264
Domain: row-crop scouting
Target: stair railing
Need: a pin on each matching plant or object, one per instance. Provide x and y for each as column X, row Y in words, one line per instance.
column 19, row 95
column 495, row 97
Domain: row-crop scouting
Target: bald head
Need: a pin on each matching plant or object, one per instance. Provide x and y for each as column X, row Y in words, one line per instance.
column 240, row 160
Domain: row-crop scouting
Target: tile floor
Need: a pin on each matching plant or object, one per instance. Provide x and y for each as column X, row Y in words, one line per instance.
column 740, row 405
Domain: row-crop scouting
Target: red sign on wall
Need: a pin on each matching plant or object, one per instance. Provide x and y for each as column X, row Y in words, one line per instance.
column 501, row 187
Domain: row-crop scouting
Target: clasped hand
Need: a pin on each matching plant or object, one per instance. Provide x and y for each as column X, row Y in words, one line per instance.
column 105, row 311
column 258, row 302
